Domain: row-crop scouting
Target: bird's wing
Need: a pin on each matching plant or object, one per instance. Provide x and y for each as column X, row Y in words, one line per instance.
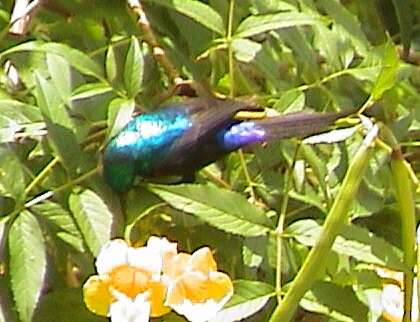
column 208, row 116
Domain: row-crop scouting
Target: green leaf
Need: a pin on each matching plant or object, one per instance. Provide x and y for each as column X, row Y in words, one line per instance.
column 291, row 101
column 90, row 90
column 67, row 303
column 246, row 50
column 255, row 25
column 55, row 214
column 249, row 297
column 65, row 146
column 332, row 136
column 331, row 47
column 74, row 57
column 353, row 241
column 19, row 111
column 388, row 75
column 133, row 68
column 16, row 117
column 12, row 179
column 27, row 263
column 364, row 73
column 120, row 112
column 93, row 217
column 3, row 235
column 50, row 102
column 198, row 11
column 139, row 201
column 111, row 64
column 404, row 11
column 60, row 75
column 223, row 209
column 339, row 303
column 317, row 164
column 349, row 23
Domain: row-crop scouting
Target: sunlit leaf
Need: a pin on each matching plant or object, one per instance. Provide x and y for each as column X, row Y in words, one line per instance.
column 93, row 217
column 246, row 50
column 74, row 57
column 198, row 11
column 291, row 101
column 120, row 111
column 255, row 25
column 27, row 263
column 59, row 70
column 348, row 22
column 51, row 103
column 388, row 74
column 133, row 68
column 325, row 298
column 111, row 64
column 333, row 136
column 224, row 209
column 55, row 214
column 353, row 241
column 12, row 180
column 249, row 297
column 17, row 117
column 90, row 90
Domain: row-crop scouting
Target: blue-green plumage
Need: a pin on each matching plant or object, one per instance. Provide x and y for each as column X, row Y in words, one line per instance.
column 182, row 138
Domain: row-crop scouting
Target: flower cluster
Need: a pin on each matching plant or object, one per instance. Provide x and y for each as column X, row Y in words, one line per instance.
column 134, row 284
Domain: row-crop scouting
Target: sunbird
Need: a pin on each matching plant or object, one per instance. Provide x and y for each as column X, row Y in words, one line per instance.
column 181, row 138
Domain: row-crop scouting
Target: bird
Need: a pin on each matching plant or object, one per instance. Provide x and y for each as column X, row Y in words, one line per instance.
column 183, row 137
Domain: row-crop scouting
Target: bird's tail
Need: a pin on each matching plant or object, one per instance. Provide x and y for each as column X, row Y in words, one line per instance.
column 279, row 127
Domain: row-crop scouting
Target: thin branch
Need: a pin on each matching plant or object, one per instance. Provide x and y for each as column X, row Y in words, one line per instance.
column 150, row 38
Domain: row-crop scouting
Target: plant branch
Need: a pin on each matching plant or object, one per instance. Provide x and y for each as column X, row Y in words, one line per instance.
column 150, row 38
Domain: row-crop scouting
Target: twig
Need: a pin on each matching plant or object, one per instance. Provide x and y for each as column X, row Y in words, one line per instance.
column 149, row 37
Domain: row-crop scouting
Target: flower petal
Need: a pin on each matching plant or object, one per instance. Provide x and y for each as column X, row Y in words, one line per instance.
column 127, row 310
column 200, row 312
column 112, row 254
column 202, row 260
column 175, row 265
column 161, row 245
column 157, row 294
column 129, row 280
column 97, row 296
column 198, row 288
column 145, row 259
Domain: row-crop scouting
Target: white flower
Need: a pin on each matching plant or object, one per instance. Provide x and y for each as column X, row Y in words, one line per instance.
column 128, row 287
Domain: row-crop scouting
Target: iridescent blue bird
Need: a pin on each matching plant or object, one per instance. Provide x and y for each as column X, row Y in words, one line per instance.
column 181, row 138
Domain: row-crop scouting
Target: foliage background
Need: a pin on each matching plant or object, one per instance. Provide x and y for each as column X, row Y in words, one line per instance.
column 84, row 67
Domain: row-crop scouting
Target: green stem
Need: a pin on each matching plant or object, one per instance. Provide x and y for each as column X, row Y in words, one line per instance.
column 50, row 193
column 230, row 49
column 406, row 205
column 418, row 265
column 41, row 175
column 247, row 175
column 232, row 90
column 336, row 218
column 216, row 179
column 280, row 224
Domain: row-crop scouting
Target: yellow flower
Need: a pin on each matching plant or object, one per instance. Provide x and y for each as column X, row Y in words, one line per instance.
column 195, row 288
column 134, row 284
column 128, row 286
